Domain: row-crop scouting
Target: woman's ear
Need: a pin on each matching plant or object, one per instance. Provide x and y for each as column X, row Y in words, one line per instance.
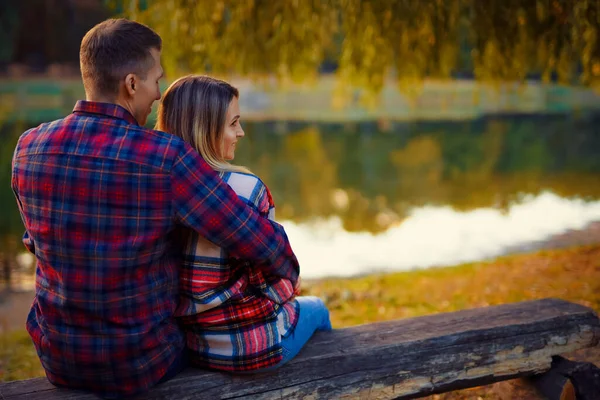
column 130, row 84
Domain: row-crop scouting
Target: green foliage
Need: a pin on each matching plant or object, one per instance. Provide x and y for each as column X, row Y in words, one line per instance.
column 370, row 40
column 254, row 38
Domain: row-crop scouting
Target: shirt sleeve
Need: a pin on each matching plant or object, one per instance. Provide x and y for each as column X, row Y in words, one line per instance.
column 203, row 202
column 266, row 206
column 264, row 202
column 271, row 209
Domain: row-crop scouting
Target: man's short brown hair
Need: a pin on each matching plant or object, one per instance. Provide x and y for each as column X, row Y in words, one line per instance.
column 111, row 50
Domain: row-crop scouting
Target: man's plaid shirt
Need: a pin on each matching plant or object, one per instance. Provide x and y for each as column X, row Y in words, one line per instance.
column 234, row 313
column 100, row 197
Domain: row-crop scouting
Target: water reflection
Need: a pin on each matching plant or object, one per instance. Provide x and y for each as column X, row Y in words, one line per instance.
column 380, row 178
column 371, row 179
column 433, row 235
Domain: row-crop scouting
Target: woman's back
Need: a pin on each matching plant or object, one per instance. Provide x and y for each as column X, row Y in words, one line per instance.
column 235, row 310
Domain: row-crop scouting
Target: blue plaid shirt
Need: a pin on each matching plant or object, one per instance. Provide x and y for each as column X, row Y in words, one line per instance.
column 100, row 197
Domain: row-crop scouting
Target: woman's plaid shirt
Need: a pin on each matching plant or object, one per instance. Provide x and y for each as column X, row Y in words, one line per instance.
column 235, row 313
column 100, row 199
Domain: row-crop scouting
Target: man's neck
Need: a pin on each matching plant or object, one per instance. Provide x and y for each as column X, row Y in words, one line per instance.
column 101, row 99
column 111, row 100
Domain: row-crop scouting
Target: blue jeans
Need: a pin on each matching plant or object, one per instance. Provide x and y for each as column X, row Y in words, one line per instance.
column 313, row 316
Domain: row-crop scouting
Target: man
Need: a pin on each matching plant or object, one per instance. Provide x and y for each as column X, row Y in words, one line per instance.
column 100, row 196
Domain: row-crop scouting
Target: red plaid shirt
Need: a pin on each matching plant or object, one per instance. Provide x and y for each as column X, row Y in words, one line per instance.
column 100, row 197
column 235, row 313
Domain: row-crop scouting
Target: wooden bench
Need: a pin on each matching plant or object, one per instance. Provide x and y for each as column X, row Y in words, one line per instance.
column 405, row 359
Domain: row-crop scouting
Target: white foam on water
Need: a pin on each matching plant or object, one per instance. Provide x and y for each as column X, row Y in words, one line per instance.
column 432, row 236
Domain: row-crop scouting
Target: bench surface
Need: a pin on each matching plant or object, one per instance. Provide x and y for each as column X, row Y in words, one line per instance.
column 399, row 359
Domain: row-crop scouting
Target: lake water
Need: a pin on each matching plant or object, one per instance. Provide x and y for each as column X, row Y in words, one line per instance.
column 363, row 197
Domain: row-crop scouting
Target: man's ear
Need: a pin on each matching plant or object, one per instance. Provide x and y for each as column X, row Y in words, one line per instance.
column 131, row 84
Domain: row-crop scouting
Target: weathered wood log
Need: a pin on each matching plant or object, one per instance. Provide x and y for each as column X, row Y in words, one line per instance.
column 569, row 380
column 401, row 359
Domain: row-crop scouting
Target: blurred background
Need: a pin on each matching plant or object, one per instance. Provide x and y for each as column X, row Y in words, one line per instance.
column 394, row 134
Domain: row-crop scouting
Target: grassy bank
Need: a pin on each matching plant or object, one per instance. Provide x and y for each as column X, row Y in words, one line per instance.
column 571, row 274
column 18, row 359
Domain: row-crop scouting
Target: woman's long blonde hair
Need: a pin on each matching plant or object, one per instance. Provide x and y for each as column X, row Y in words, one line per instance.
column 194, row 108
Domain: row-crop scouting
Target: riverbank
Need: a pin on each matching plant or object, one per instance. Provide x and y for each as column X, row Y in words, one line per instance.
column 326, row 100
column 572, row 274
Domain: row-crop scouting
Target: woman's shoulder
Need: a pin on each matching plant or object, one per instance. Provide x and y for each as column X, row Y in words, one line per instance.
column 248, row 186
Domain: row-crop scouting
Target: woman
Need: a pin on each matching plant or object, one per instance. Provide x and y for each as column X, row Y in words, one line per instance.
column 236, row 316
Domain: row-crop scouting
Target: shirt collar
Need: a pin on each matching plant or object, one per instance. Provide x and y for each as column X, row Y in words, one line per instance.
column 107, row 109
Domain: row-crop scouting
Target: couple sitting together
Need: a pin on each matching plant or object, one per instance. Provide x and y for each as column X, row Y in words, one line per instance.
column 153, row 251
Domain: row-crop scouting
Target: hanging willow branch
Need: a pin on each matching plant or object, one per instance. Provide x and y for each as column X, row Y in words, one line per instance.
column 371, row 40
